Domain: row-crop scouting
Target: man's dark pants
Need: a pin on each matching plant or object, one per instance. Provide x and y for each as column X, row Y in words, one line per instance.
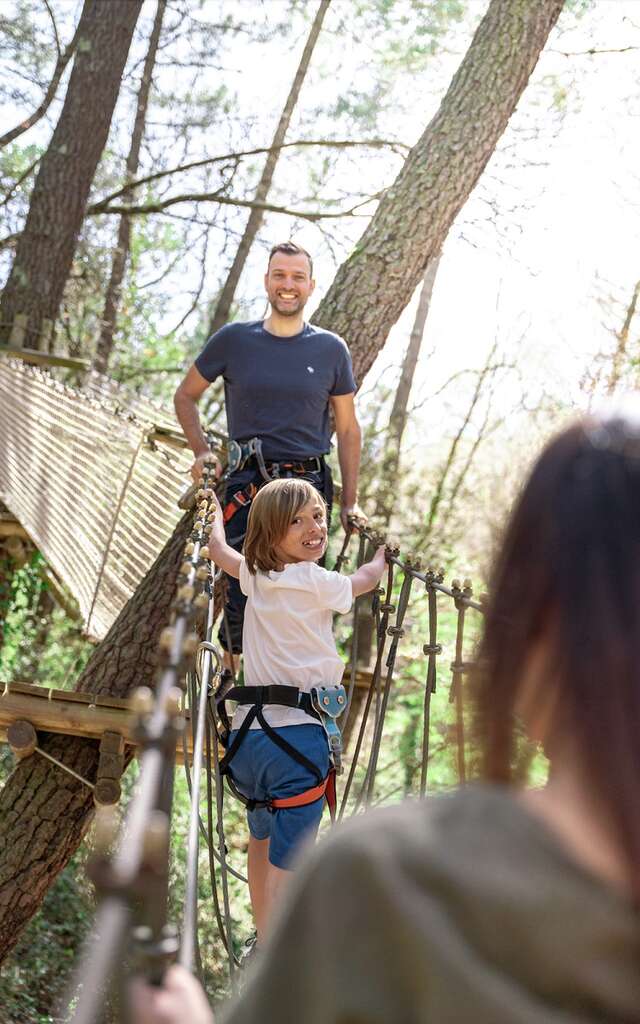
column 230, row 633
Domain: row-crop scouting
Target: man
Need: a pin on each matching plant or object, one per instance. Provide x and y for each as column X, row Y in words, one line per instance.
column 282, row 377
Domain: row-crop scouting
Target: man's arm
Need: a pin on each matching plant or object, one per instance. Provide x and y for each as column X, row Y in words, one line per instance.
column 349, row 439
column 185, row 402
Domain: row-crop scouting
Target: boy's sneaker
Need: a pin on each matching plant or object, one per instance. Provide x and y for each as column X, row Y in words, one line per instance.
column 248, row 952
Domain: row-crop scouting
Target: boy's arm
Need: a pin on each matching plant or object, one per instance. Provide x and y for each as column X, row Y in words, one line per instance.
column 367, row 576
column 219, row 551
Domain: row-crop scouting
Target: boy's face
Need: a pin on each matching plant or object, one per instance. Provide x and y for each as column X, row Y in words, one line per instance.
column 306, row 538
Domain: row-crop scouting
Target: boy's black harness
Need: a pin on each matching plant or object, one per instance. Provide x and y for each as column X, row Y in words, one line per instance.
column 324, row 703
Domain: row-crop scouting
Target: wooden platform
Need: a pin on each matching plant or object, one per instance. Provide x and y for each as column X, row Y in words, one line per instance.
column 70, row 713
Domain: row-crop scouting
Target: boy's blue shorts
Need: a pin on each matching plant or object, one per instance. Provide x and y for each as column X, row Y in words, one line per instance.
column 261, row 771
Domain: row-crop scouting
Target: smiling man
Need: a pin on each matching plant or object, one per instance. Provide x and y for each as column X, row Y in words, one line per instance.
column 282, row 376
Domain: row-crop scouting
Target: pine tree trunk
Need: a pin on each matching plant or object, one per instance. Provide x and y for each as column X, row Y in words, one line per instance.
column 387, row 492
column 44, row 811
column 121, row 252
column 256, row 217
column 45, row 249
column 398, row 417
column 374, row 285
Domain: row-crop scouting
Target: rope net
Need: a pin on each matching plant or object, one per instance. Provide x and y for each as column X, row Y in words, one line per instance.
column 81, row 472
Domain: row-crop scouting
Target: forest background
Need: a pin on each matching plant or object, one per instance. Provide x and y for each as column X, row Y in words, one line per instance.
column 253, row 122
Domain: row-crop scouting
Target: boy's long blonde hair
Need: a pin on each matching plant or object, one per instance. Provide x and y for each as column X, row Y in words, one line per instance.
column 274, row 508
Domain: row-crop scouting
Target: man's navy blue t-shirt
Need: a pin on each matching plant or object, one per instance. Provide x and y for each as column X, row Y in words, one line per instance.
column 278, row 389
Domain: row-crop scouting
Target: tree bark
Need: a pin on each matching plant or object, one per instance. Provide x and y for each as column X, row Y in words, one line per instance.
column 121, row 252
column 256, row 217
column 44, row 811
column 46, row 247
column 374, row 285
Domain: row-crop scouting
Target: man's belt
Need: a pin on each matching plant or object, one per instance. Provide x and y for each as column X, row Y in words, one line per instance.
column 314, row 464
column 249, row 453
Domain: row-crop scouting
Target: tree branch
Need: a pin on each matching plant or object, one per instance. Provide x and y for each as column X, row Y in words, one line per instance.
column 63, row 59
column 18, row 182
column 216, row 197
column 98, row 206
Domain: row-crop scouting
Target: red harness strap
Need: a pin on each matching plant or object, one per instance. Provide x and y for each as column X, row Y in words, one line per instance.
column 239, row 500
column 327, row 788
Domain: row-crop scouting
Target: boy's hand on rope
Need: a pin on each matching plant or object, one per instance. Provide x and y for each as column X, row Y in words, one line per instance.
column 367, row 576
column 217, row 535
column 179, row 999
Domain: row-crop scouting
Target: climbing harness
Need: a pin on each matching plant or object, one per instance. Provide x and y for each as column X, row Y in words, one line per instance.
column 240, row 454
column 324, row 703
column 239, row 500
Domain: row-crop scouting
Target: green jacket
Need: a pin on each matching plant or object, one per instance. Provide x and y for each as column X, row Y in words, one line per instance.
column 462, row 908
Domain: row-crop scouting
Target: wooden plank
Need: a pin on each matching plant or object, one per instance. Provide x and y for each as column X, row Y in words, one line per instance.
column 68, row 718
column 32, row 355
column 12, row 528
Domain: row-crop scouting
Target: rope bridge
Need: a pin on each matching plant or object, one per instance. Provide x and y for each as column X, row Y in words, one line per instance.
column 95, row 484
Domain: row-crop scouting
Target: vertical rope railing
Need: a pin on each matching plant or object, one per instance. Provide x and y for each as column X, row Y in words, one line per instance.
column 396, row 632
column 385, row 609
column 461, row 597
column 431, row 650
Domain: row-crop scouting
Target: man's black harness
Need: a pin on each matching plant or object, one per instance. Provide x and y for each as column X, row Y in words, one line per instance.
column 243, row 454
column 324, row 703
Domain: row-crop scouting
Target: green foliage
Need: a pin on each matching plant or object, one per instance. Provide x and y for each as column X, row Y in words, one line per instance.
column 34, row 977
column 40, row 643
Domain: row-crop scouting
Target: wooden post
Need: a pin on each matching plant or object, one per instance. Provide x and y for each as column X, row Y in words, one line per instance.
column 110, row 768
column 18, row 334
column 45, row 338
column 22, row 738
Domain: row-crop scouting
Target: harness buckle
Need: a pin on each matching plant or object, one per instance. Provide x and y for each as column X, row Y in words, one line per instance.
column 330, row 702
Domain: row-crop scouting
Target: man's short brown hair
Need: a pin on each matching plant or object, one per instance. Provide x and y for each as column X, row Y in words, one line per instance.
column 291, row 249
column 274, row 508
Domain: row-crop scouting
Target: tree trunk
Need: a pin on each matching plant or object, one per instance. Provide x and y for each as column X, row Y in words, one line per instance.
column 374, row 285
column 387, row 492
column 622, row 340
column 256, row 217
column 45, row 249
column 44, row 811
column 121, row 252
column 398, row 417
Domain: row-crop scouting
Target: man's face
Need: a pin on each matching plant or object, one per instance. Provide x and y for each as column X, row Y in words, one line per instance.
column 288, row 283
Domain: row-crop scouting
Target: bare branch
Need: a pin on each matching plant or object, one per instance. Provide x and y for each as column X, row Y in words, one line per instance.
column 16, row 185
column 98, row 206
column 216, row 197
column 592, row 52
column 63, row 59
column 55, row 28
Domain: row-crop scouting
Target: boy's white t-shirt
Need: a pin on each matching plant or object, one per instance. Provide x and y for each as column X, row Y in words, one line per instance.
column 288, row 636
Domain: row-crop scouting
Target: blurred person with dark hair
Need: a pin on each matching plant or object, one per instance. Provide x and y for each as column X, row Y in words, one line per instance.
column 496, row 904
